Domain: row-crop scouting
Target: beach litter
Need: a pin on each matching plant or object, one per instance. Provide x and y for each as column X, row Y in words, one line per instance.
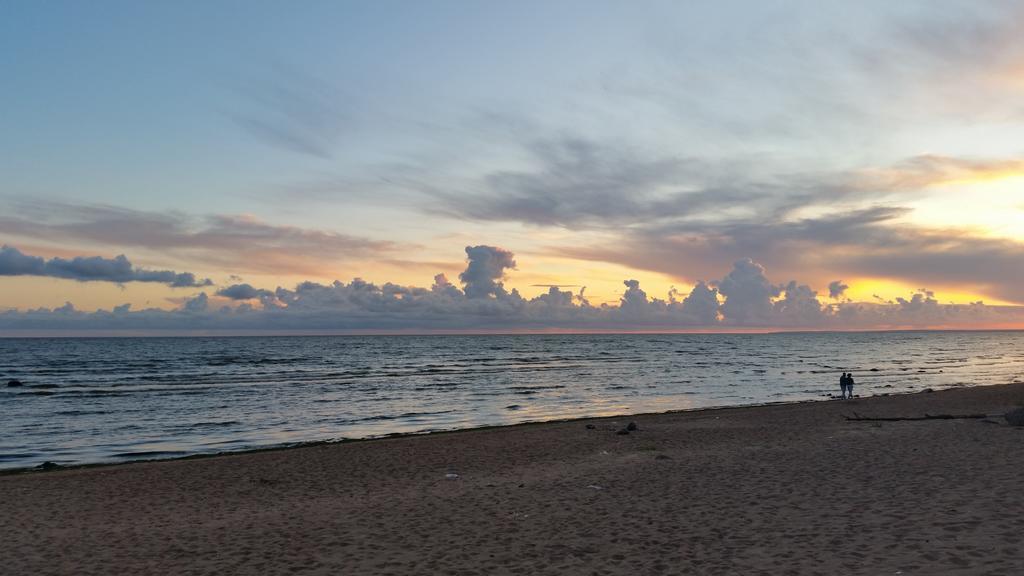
column 451, row 476
column 595, row 487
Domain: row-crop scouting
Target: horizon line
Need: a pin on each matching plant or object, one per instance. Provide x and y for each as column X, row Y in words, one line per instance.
column 55, row 334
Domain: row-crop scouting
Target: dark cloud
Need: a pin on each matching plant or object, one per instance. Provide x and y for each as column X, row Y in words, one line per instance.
column 702, row 305
column 862, row 243
column 232, row 242
column 14, row 263
column 799, row 306
column 684, row 216
column 634, row 299
column 91, row 268
column 579, row 184
column 836, row 289
column 744, row 298
column 748, row 294
column 199, row 303
column 487, row 265
column 244, row 292
column 582, row 184
column 444, row 287
column 990, row 266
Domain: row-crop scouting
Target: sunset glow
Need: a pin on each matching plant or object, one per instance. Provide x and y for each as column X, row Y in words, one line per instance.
column 461, row 177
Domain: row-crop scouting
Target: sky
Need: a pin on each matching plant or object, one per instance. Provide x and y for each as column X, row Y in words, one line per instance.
column 533, row 166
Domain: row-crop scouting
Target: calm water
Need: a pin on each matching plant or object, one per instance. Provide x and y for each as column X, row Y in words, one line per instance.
column 113, row 399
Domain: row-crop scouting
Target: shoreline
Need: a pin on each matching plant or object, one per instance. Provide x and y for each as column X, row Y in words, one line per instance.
column 342, row 440
column 789, row 488
column 30, row 334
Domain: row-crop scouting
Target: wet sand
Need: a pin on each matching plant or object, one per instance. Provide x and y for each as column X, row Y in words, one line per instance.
column 786, row 489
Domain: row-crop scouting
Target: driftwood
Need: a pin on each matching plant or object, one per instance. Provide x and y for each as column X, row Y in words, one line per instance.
column 858, row 418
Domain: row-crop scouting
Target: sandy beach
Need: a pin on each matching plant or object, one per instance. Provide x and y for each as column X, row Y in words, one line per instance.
column 784, row 489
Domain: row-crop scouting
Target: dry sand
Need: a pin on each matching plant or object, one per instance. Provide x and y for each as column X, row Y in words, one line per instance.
column 787, row 489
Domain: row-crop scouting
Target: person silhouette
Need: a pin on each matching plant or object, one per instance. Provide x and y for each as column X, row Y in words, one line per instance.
column 849, row 385
column 842, row 386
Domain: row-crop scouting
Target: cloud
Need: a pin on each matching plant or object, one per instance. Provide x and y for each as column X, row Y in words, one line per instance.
column 799, row 306
column 487, row 266
column 582, row 184
column 743, row 298
column 748, row 294
column 927, row 170
column 294, row 112
column 199, row 303
column 634, row 299
column 236, row 243
column 244, row 292
column 702, row 305
column 14, row 263
column 836, row 289
column 576, row 183
column 91, row 269
column 977, row 43
column 684, row 215
column 871, row 242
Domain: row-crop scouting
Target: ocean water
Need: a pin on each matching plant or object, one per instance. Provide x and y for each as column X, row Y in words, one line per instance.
column 88, row 400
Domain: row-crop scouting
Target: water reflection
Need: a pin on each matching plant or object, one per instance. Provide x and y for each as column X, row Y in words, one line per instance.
column 95, row 400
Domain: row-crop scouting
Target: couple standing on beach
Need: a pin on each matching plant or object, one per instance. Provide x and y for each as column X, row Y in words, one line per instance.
column 846, row 385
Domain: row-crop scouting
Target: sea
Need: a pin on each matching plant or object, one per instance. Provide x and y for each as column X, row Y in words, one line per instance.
column 100, row 400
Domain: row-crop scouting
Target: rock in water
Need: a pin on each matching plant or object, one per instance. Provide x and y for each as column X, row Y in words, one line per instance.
column 1015, row 417
column 48, row 465
column 632, row 426
column 14, row 383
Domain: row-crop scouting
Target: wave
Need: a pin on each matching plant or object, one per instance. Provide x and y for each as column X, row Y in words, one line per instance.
column 97, row 400
column 150, row 454
column 405, row 416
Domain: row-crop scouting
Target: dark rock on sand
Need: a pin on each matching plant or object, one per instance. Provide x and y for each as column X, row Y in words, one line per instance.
column 622, row 432
column 48, row 465
column 591, row 427
column 632, row 426
column 1015, row 417
column 14, row 383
